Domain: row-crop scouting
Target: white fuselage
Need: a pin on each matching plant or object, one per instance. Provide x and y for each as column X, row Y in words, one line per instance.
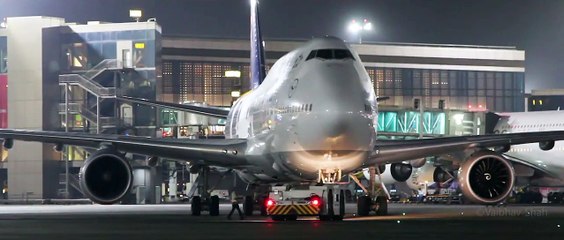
column 307, row 115
column 551, row 161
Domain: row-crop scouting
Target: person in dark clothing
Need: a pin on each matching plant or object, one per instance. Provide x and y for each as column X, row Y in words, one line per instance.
column 235, row 206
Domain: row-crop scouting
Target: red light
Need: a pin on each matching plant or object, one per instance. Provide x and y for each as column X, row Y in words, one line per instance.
column 315, row 202
column 269, row 202
column 469, row 106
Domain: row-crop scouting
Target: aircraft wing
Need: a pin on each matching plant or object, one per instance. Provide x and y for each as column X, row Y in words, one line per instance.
column 216, row 152
column 203, row 110
column 387, row 151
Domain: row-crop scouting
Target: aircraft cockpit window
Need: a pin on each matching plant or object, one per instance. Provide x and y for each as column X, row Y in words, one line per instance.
column 324, row 54
column 342, row 54
column 330, row 54
column 311, row 55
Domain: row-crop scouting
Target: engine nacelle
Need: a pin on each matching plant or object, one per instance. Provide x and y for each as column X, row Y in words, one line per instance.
column 106, row 176
column 417, row 163
column 486, row 178
column 395, row 172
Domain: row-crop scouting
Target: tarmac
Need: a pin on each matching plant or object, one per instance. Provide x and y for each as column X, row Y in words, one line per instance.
column 405, row 221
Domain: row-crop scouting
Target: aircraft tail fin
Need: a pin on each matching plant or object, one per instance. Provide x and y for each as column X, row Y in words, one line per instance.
column 258, row 71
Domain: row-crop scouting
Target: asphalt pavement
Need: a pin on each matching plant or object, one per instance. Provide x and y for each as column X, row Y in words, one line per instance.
column 405, row 221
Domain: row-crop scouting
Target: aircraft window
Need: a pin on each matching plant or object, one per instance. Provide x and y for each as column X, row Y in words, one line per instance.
column 311, row 55
column 324, row 53
column 330, row 54
column 342, row 54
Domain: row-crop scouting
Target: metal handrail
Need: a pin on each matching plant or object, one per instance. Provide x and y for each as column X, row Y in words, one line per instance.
column 101, row 67
column 93, row 87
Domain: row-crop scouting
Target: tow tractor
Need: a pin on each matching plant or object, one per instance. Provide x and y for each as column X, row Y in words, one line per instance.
column 290, row 202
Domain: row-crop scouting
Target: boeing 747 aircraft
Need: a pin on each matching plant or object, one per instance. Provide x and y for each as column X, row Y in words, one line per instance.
column 312, row 119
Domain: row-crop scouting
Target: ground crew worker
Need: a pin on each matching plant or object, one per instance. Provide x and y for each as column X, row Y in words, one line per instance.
column 235, row 205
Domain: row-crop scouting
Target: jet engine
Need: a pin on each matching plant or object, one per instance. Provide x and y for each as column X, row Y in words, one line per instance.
column 106, row 176
column 486, row 177
column 395, row 172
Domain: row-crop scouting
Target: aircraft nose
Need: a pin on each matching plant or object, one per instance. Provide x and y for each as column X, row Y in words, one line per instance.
column 334, row 131
column 335, row 126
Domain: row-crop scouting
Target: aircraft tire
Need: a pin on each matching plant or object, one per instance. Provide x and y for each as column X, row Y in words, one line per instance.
column 330, row 202
column 342, row 203
column 214, row 205
column 196, row 206
column 248, row 205
column 363, row 206
column 382, row 209
column 262, row 206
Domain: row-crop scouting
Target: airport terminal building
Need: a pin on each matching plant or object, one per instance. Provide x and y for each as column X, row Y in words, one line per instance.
column 66, row 77
column 466, row 77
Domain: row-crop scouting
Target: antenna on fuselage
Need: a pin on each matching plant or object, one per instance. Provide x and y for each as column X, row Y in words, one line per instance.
column 258, row 71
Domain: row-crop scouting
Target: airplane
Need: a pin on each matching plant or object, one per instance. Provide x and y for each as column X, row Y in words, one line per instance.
column 533, row 166
column 311, row 119
column 547, row 165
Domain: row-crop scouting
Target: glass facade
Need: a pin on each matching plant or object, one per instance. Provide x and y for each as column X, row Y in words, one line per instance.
column 82, row 51
column 472, row 90
column 185, row 81
column 127, row 60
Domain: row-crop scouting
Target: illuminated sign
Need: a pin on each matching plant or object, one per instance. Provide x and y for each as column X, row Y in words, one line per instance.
column 233, row 73
column 139, row 45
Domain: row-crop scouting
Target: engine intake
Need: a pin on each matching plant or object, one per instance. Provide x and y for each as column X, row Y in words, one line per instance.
column 398, row 172
column 106, row 176
column 401, row 171
column 486, row 178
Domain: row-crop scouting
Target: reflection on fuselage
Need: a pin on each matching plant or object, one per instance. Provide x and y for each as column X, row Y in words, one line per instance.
column 310, row 113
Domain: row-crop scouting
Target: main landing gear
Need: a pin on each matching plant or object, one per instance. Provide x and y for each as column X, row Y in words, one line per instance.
column 376, row 201
column 327, row 212
column 256, row 202
column 204, row 202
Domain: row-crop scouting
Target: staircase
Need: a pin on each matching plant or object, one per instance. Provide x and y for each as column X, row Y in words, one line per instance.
column 87, row 81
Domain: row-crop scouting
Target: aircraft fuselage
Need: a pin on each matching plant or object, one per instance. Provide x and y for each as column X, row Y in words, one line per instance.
column 310, row 113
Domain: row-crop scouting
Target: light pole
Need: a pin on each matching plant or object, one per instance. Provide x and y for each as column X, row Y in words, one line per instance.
column 357, row 27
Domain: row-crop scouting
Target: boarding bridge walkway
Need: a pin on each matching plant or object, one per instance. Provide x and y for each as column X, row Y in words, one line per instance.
column 405, row 123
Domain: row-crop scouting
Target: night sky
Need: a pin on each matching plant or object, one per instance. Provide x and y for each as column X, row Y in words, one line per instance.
column 534, row 26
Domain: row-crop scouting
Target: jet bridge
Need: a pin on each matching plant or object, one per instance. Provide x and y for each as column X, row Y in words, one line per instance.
column 400, row 123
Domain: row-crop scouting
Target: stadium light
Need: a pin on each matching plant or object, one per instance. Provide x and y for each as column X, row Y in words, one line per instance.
column 358, row 28
column 135, row 14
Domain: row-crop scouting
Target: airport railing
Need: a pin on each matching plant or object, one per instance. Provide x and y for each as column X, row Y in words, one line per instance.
column 101, row 67
column 89, row 85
